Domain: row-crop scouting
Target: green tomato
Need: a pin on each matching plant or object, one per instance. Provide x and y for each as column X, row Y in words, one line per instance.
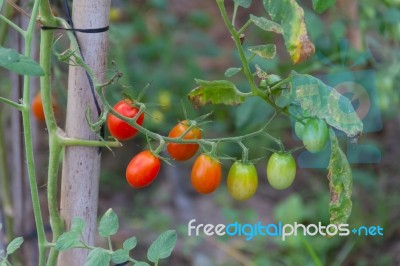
column 242, row 180
column 281, row 170
column 315, row 135
column 299, row 128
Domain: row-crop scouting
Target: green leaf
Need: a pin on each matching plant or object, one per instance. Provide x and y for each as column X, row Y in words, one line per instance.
column 67, row 240
column 291, row 17
column 120, row 256
column 1, row 4
column 1, row 226
column 108, row 225
column 230, row 72
column 3, row 263
column 266, row 24
column 215, row 92
column 162, row 247
column 141, row 263
column 130, row 243
column 77, row 225
column 340, row 183
column 19, row 63
column 98, row 257
column 316, row 99
column 322, row 5
column 243, row 3
column 267, row 51
column 14, row 245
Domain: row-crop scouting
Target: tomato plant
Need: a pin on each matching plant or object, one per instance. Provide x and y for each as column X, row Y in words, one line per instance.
column 120, row 129
column 182, row 152
column 142, row 169
column 206, row 174
column 315, row 135
column 242, row 180
column 281, row 170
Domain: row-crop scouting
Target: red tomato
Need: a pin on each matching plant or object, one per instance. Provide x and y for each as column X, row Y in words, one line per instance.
column 182, row 152
column 37, row 107
column 206, row 174
column 142, row 169
column 118, row 128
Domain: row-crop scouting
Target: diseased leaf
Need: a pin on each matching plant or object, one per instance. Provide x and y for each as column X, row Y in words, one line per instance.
column 98, row 257
column 267, row 51
column 230, row 72
column 19, row 63
column 67, row 240
column 322, row 5
column 130, row 243
column 215, row 92
column 243, row 3
column 266, row 24
column 108, row 225
column 309, row 96
column 340, row 183
column 291, row 17
column 162, row 247
column 120, row 256
column 14, row 245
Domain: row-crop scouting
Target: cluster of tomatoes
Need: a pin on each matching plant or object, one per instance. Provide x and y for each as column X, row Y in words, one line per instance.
column 206, row 175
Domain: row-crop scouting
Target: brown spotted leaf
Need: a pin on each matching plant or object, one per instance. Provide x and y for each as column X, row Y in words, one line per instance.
column 340, row 183
column 215, row 92
column 291, row 17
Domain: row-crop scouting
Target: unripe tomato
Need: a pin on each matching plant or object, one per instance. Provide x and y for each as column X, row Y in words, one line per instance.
column 142, row 169
column 206, row 174
column 182, row 152
column 37, row 107
column 299, row 128
column 115, row 14
column 118, row 128
column 281, row 170
column 315, row 135
column 242, row 180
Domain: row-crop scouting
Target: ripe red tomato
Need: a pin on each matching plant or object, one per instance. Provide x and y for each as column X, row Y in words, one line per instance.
column 37, row 107
column 142, row 169
column 242, row 180
column 118, row 128
column 182, row 152
column 206, row 174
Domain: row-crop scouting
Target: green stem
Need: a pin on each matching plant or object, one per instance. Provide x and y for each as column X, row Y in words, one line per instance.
column 8, row 12
column 11, row 103
column 245, row 26
column 28, row 142
column 55, row 148
column 5, row 195
column 64, row 141
column 56, row 222
column 13, row 25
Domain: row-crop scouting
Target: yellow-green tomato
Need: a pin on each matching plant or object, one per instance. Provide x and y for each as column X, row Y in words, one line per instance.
column 242, row 180
column 315, row 135
column 281, row 170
